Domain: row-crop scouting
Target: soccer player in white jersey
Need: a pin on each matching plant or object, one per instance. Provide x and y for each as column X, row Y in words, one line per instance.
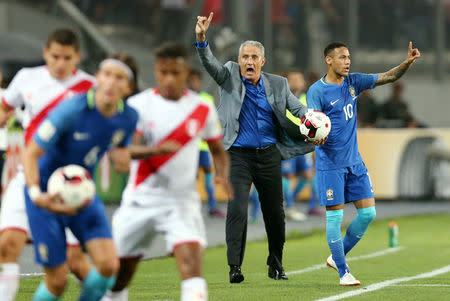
column 341, row 174
column 39, row 89
column 161, row 196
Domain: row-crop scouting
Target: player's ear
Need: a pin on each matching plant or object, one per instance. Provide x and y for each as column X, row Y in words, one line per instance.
column 328, row 59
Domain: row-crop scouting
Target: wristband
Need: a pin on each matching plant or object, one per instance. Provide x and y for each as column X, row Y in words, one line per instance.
column 34, row 191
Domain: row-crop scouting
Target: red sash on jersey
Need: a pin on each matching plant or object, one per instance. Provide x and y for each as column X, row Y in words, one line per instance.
column 184, row 133
column 80, row 87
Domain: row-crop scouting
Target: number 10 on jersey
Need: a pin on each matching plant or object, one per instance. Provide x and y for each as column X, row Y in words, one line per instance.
column 348, row 110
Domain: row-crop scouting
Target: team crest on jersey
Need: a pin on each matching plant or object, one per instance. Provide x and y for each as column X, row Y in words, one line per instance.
column 352, row 91
column 43, row 251
column 117, row 137
column 330, row 194
column 192, row 127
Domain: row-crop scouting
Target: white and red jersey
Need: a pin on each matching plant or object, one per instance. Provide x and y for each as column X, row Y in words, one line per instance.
column 187, row 120
column 39, row 92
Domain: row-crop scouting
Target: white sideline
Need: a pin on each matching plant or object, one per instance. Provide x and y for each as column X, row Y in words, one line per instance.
column 380, row 285
column 371, row 255
column 417, row 285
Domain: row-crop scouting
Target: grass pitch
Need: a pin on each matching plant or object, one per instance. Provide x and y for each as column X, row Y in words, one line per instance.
column 425, row 242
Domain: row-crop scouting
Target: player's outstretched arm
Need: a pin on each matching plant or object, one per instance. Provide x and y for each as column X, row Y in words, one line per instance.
column 30, row 166
column 397, row 72
column 222, row 167
column 140, row 151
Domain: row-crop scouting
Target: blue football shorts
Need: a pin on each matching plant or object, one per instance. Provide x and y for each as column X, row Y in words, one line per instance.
column 204, row 159
column 47, row 229
column 343, row 185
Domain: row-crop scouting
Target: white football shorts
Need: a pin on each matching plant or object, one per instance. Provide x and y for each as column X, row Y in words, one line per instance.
column 135, row 226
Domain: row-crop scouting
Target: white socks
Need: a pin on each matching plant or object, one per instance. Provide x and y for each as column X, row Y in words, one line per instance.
column 194, row 289
column 9, row 281
column 116, row 296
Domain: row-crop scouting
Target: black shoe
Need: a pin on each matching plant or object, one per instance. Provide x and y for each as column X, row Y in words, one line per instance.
column 277, row 274
column 236, row 274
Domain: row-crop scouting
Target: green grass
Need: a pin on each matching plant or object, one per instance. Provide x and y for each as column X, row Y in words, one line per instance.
column 425, row 238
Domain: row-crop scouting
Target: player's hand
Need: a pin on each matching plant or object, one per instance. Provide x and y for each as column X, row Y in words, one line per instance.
column 5, row 115
column 121, row 158
column 413, row 54
column 52, row 202
column 167, row 147
column 318, row 142
column 202, row 26
column 226, row 185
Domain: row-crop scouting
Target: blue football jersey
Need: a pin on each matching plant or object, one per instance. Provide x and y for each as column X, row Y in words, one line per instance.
column 75, row 132
column 339, row 103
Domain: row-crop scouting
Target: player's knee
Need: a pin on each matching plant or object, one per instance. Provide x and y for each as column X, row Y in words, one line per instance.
column 77, row 262
column 57, row 284
column 189, row 265
column 367, row 215
column 108, row 266
column 10, row 247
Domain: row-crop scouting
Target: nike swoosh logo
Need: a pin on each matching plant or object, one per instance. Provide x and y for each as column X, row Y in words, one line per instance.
column 335, row 241
column 80, row 136
column 333, row 102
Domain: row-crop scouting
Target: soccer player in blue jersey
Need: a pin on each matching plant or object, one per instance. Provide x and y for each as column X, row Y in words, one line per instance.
column 341, row 174
column 79, row 131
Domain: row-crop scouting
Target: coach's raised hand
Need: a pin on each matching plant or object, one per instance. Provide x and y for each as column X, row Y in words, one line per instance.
column 202, row 26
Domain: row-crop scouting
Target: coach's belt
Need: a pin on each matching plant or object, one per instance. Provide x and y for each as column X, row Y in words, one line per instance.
column 253, row 149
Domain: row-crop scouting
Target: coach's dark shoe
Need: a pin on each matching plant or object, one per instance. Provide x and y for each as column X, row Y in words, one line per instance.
column 236, row 275
column 277, row 274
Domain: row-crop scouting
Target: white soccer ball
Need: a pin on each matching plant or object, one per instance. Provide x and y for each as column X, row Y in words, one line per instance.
column 315, row 125
column 74, row 184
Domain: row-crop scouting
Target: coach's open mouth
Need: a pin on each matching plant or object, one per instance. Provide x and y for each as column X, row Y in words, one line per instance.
column 250, row 70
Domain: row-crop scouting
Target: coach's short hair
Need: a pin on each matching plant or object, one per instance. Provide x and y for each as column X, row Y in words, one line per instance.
column 252, row 43
column 65, row 37
column 330, row 47
column 171, row 50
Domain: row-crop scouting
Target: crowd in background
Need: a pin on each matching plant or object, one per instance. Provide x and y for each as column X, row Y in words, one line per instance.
column 382, row 24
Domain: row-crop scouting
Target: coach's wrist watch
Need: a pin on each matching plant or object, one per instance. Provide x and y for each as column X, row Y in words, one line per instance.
column 34, row 191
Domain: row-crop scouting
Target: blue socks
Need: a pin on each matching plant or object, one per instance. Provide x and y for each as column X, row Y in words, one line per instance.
column 288, row 193
column 43, row 294
column 300, row 185
column 314, row 198
column 334, row 238
column 358, row 227
column 95, row 286
column 210, row 191
column 255, row 205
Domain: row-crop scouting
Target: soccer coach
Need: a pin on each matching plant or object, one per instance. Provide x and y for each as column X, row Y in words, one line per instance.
column 257, row 136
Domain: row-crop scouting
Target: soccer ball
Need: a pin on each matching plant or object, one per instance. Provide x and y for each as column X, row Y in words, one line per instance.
column 315, row 125
column 74, row 184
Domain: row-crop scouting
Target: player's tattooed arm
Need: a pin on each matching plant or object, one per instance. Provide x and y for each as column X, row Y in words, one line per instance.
column 397, row 72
